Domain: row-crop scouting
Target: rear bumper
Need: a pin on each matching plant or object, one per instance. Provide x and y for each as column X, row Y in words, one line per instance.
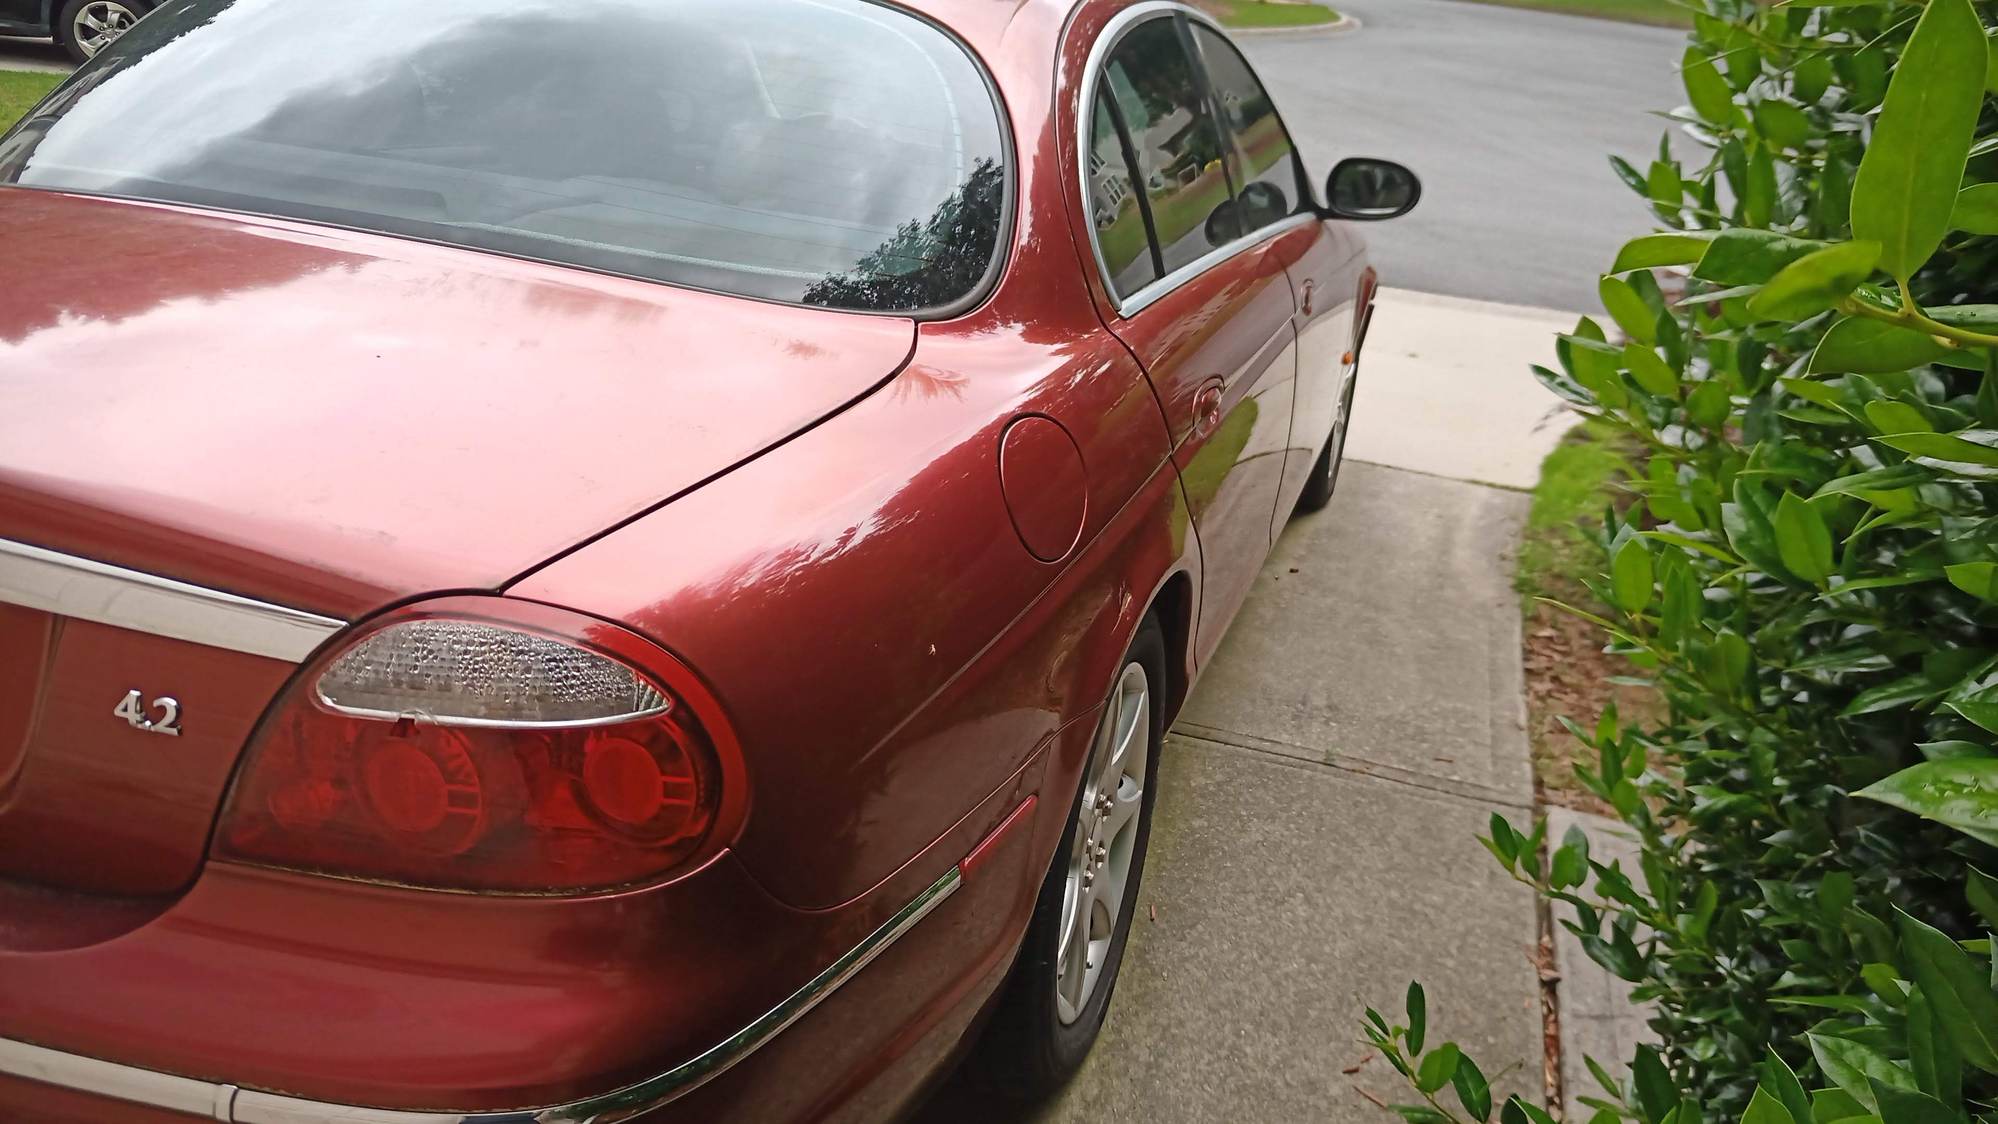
column 190, row 1097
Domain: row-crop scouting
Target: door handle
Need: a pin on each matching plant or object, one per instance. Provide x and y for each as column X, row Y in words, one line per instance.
column 1304, row 299
column 1207, row 409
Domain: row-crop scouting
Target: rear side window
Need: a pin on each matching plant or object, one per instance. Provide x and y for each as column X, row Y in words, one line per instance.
column 1263, row 161
column 829, row 152
column 1151, row 87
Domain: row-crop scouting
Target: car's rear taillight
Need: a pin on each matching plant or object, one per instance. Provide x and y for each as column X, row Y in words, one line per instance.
column 481, row 743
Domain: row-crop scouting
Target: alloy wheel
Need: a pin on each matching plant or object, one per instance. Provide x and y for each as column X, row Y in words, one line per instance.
column 1105, row 840
column 99, row 22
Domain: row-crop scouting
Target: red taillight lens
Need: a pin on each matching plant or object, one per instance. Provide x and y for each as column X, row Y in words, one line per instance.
column 486, row 744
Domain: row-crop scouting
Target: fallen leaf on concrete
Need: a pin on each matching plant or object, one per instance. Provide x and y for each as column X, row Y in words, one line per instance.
column 1358, row 1065
column 1154, row 910
column 1381, row 1103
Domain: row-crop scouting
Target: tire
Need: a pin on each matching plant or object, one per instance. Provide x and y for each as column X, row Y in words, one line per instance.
column 84, row 27
column 1039, row 1035
column 1324, row 477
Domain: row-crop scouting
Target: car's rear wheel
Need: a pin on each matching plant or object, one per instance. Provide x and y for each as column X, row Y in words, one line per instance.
column 86, row 27
column 1324, row 477
column 1060, row 988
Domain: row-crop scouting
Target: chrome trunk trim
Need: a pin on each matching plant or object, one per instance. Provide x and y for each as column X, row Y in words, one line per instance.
column 105, row 594
column 231, row 1103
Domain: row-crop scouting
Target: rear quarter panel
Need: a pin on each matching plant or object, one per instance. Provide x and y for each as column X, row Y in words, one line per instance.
column 887, row 648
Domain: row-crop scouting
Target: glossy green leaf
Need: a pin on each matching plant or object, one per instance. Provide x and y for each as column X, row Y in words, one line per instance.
column 1758, row 202
column 1961, row 792
column 1970, row 446
column 1957, row 987
column 1984, row 715
column 1653, row 251
column 1979, row 579
column 1829, row 1105
column 1890, row 416
column 1854, row 1066
column 1908, row 1106
column 1780, row 1081
column 1816, row 281
column 1890, row 696
column 1914, row 163
column 1418, row 1016
column 1711, row 96
column 1631, row 576
column 1932, row 1055
column 1783, row 123
column 1871, row 347
column 1764, row 1108
column 1802, row 539
column 1740, row 256
column 1517, row 1111
column 1437, row 1067
column 1976, row 209
column 1628, row 309
column 1649, row 371
column 1657, row 1095
column 1473, row 1092
column 1981, row 891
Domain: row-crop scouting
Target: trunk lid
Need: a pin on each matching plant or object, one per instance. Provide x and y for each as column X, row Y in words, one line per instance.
column 328, row 421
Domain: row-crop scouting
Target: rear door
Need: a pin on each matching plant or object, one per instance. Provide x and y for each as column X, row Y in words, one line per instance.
column 1204, row 304
column 1324, row 261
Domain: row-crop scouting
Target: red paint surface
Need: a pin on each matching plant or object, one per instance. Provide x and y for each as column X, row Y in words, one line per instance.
column 340, row 421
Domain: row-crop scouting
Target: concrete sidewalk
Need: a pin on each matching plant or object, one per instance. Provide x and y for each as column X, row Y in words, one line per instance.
column 1314, row 848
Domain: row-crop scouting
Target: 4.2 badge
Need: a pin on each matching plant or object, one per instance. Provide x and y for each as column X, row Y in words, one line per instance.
column 140, row 715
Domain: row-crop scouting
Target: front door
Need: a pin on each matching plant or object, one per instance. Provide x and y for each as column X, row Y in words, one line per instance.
column 1200, row 298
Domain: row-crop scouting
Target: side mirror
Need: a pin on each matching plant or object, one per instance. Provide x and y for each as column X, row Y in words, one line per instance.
column 1368, row 190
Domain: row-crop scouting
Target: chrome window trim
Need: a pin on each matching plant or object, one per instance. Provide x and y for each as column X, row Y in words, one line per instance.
column 1137, row 302
column 231, row 1103
column 88, row 590
column 1106, row 41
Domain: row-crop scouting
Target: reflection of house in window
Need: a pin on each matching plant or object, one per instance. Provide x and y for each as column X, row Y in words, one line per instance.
column 1172, row 146
column 1108, row 184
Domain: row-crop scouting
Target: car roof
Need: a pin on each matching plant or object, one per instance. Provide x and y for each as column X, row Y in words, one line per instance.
column 981, row 23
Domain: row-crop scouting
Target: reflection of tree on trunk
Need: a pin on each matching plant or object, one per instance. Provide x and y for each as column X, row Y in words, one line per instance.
column 929, row 263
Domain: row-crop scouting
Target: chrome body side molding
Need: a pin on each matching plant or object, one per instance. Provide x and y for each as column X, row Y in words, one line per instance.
column 232, row 1103
column 106, row 594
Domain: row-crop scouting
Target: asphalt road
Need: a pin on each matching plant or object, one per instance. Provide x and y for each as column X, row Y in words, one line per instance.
column 1508, row 116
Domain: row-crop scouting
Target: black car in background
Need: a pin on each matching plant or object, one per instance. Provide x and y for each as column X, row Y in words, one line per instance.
column 82, row 27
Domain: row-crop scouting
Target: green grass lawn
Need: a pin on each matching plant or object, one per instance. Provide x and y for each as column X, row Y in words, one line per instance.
column 20, row 90
column 1577, row 480
column 1661, row 13
column 1261, row 13
column 1567, row 672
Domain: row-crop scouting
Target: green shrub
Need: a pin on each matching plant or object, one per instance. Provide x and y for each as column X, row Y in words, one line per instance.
column 1810, row 580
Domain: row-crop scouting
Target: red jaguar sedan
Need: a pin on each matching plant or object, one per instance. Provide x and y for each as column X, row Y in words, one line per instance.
column 566, row 560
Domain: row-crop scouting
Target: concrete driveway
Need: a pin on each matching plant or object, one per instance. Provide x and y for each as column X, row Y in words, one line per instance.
column 1314, row 847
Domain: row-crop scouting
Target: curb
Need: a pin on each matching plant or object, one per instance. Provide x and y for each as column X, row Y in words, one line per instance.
column 1343, row 26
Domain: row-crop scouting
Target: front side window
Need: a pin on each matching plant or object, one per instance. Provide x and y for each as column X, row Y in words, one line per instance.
column 1150, row 83
column 829, row 152
column 1269, row 177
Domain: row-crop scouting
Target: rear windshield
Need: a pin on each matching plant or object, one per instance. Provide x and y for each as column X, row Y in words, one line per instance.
column 829, row 152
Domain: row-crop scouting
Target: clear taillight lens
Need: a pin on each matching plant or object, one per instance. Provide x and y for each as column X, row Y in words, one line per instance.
column 467, row 673
column 485, row 744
